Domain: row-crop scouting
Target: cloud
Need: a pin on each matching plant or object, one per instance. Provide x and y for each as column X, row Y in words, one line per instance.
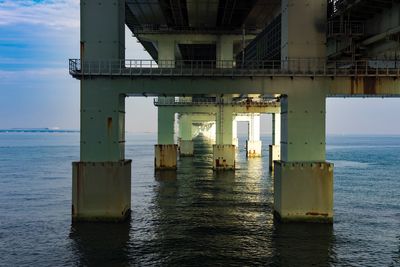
column 51, row 13
column 53, row 73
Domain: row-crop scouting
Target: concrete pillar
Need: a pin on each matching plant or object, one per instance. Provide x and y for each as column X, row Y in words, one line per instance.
column 254, row 144
column 275, row 147
column 102, row 39
column 303, row 180
column 101, row 180
column 224, row 150
column 210, row 131
column 166, row 53
column 186, row 146
column 235, row 139
column 102, row 123
column 225, row 57
column 166, row 151
column 303, row 31
column 303, row 184
column 213, row 133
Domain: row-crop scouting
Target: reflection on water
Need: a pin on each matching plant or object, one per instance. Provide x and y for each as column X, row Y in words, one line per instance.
column 165, row 175
column 225, row 218
column 195, row 216
column 299, row 244
column 396, row 257
column 200, row 217
column 97, row 244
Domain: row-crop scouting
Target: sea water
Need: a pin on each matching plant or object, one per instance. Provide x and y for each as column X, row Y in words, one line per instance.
column 197, row 217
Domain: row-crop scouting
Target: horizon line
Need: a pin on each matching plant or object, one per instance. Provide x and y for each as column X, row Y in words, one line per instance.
column 59, row 130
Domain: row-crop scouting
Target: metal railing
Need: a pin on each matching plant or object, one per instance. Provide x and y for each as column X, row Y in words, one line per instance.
column 230, row 68
column 346, row 28
column 163, row 28
column 171, row 101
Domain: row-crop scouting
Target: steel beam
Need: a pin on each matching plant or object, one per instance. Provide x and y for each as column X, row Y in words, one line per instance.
column 334, row 87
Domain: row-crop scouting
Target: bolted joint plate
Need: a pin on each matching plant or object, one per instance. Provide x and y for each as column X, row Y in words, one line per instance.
column 303, row 191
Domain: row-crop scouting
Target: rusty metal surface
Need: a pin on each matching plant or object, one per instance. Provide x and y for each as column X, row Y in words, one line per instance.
column 364, row 86
column 368, row 85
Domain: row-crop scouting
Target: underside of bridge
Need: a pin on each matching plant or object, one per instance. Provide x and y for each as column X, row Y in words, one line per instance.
column 216, row 62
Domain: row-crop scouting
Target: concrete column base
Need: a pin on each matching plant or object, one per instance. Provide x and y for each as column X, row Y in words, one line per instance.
column 303, row 191
column 274, row 154
column 224, row 157
column 235, row 142
column 253, row 148
column 101, row 191
column 165, row 156
column 186, row 148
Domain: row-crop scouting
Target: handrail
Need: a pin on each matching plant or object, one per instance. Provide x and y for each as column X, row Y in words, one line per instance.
column 231, row 68
column 206, row 102
column 163, row 28
column 347, row 28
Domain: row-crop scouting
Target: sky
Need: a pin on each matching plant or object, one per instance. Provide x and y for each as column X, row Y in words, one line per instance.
column 37, row 37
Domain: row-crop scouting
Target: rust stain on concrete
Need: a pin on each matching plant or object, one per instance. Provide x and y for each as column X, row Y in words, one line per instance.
column 370, row 85
column 364, row 85
column 317, row 214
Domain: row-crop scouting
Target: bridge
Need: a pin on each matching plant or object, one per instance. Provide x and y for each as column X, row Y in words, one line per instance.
column 216, row 62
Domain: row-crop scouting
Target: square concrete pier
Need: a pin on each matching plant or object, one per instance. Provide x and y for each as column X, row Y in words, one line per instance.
column 303, row 191
column 101, row 191
column 165, row 157
column 224, row 157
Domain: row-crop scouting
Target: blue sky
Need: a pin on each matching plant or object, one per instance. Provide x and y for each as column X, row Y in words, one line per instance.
column 38, row 37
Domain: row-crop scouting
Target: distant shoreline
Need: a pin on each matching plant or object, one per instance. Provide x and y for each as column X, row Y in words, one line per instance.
column 37, row 130
column 48, row 130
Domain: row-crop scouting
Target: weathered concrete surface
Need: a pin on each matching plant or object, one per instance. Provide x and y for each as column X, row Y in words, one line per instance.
column 101, row 191
column 186, row 148
column 223, row 157
column 253, row 148
column 165, row 156
column 274, row 154
column 303, row 191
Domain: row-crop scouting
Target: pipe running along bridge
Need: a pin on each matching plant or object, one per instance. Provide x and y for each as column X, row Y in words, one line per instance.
column 216, row 62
